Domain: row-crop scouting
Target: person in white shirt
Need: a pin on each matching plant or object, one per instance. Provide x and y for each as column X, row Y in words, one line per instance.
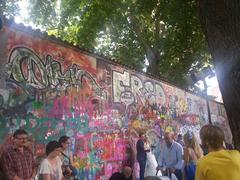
column 151, row 162
column 51, row 167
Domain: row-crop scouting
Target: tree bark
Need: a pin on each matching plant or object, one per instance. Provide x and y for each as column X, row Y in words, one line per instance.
column 152, row 54
column 220, row 20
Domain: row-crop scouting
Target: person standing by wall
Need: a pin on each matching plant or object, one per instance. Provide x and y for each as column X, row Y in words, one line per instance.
column 51, row 167
column 67, row 157
column 180, row 140
column 171, row 157
column 192, row 152
column 17, row 160
column 141, row 155
column 218, row 164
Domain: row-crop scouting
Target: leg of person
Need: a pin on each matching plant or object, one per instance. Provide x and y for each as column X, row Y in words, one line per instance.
column 142, row 164
column 178, row 174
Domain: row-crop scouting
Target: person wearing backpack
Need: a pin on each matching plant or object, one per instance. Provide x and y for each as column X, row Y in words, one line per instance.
column 67, row 158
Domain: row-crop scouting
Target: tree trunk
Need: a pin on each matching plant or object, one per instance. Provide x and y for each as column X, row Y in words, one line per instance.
column 220, row 20
column 151, row 53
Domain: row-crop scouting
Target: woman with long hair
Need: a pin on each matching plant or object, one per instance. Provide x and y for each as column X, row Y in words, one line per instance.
column 192, row 152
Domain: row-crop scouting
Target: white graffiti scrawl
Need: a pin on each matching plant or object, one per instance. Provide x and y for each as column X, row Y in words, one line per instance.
column 130, row 89
column 26, row 66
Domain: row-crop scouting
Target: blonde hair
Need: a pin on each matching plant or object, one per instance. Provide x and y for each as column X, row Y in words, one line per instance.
column 190, row 141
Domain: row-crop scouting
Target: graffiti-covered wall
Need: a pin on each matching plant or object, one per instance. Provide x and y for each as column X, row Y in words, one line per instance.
column 52, row 89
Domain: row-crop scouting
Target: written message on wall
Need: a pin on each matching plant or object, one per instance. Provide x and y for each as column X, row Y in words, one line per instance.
column 52, row 90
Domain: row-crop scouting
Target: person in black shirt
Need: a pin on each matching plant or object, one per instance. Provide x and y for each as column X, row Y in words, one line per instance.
column 141, row 155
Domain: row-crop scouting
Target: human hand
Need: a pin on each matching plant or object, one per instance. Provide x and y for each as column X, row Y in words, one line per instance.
column 158, row 168
column 172, row 170
column 16, row 178
column 147, row 150
column 68, row 171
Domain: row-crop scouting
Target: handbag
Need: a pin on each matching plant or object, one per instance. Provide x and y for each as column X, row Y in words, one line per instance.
column 74, row 171
column 173, row 177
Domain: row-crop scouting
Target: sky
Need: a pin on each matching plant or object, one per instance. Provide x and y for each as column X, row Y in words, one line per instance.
column 23, row 11
column 213, row 88
column 23, row 14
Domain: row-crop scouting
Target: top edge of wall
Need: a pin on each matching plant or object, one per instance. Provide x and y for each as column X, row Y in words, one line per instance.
column 10, row 23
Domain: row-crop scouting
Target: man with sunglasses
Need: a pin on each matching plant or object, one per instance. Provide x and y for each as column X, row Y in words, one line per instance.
column 17, row 160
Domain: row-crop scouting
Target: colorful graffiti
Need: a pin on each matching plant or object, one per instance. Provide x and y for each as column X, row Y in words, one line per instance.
column 51, row 89
column 218, row 117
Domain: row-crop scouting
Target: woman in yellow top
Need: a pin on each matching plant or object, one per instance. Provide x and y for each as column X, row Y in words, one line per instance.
column 218, row 164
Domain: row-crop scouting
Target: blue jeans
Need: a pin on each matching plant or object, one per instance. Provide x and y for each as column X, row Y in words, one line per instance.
column 142, row 164
column 178, row 174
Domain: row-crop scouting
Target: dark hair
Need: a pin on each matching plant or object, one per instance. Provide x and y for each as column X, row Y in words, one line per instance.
column 51, row 146
column 19, row 132
column 63, row 139
column 180, row 135
column 212, row 136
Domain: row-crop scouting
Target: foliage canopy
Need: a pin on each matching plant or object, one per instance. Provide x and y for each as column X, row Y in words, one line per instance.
column 165, row 33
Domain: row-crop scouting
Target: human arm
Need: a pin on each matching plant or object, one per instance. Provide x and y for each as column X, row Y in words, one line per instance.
column 186, row 155
column 16, row 178
column 45, row 176
column 199, row 172
column 146, row 147
column 179, row 156
column 161, row 158
column 141, row 146
column 71, row 158
column 7, row 165
column 59, row 168
column 44, row 170
column 34, row 173
column 34, row 167
column 199, row 152
column 33, row 176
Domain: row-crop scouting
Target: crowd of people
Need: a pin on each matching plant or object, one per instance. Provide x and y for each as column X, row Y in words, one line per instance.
column 18, row 162
column 186, row 159
column 180, row 159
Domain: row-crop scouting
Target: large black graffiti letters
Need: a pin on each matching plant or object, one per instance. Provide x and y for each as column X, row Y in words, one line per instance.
column 22, row 63
column 27, row 67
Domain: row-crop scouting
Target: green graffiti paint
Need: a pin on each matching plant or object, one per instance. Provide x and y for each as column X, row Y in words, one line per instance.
column 37, row 104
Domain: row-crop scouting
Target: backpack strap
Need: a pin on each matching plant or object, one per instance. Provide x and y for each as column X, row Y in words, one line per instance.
column 66, row 157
